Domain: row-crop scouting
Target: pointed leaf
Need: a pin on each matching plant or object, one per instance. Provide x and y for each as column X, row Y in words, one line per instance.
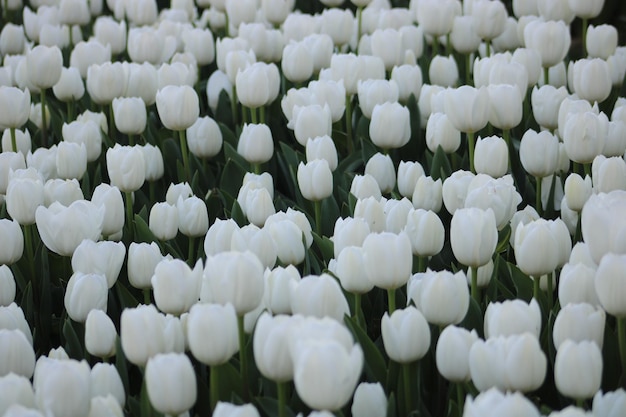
column 375, row 366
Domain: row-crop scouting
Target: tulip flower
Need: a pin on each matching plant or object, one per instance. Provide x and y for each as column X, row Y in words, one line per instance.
column 204, row 138
column 322, row 147
column 271, row 347
column 17, row 392
column 441, row 132
column 104, row 258
column 609, row 403
column 551, row 39
column 256, row 144
column 7, row 286
column 452, row 353
column 19, row 354
column 17, row 104
column 319, row 296
column 578, row 322
column 512, row 317
column 176, row 286
column 573, row 360
column 287, row 236
column 171, row 383
column 493, row 402
column 62, row 387
column 365, row 186
column 601, row 41
column 107, row 383
column 100, row 334
column 142, row 333
column 442, row 297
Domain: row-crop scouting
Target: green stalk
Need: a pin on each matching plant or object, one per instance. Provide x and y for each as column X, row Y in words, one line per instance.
column 448, row 45
column 474, row 287
column 585, row 26
column 621, row 337
column 536, row 287
column 256, row 168
column 318, row 217
column 112, row 123
column 214, row 384
column 550, row 289
column 13, row 140
column 435, row 46
column 422, row 263
column 546, row 75
column 587, row 169
column 70, row 110
column 131, row 140
column 243, row 360
column 488, row 48
column 359, row 26
column 538, row 204
column 129, row 212
column 580, row 403
column 253, row 116
column 391, row 299
column 578, row 236
column 282, row 398
column 233, row 106
column 183, row 150
column 146, row 296
column 471, row 144
column 192, row 249
column 44, row 121
column 468, row 64
column 349, row 145
column 358, row 298
column 460, row 395
column 406, row 375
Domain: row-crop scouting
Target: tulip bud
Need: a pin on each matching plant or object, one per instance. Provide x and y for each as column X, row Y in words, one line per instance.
column 19, row 353
column 389, row 126
column 126, row 167
column 223, row 409
column 271, row 347
column 204, row 138
column 310, row 121
column 7, row 286
column 17, row 391
column 512, row 317
column 376, row 92
column 441, row 132
column 178, row 106
column 443, row 71
column 442, row 297
column 322, row 147
column 365, row 186
column 13, row 246
column 104, row 258
column 579, row 322
column 85, row 292
column 452, row 354
column 163, row 221
column 171, row 383
column 408, row 174
column 287, row 236
column 492, row 402
column 578, row 358
column 43, row 57
column 255, row 143
column 319, row 296
column 550, row 38
column 216, row 320
column 489, row 18
column 591, row 79
column 62, row 387
column 297, row 63
column 349, row 232
column 100, row 334
column 142, row 333
column 12, row 317
column 539, row 153
column 491, row 156
column 472, row 229
column 381, row 168
column 193, row 218
column 369, row 400
column 388, row 259
column 609, row 403
column 17, row 105
column 315, row 179
column 456, row 100
column 176, row 286
column 406, row 335
column 601, row 230
column 427, row 194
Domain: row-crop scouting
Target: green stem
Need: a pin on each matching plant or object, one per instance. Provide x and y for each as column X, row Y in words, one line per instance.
column 435, row 46
column 183, row 150
column 546, row 75
column 538, row 205
column 146, row 296
column 471, row 144
column 192, row 249
column 391, row 300
column 460, row 395
column 70, row 110
column 243, row 360
column 129, row 213
column 621, row 336
column 349, row 144
column 359, row 27
column 468, row 65
column 488, row 48
column 262, row 114
column 233, row 106
column 536, row 287
column 448, row 45
column 358, row 298
column 474, row 286
column 318, row 217
column 550, row 289
column 506, row 135
column 406, row 375
column 214, row 386
column 422, row 263
column 578, row 236
column 13, row 140
column 253, row 116
column 282, row 398
column 580, row 403
column 112, row 123
column 587, row 169
column 256, row 168
column 131, row 140
column 44, row 121
column 585, row 26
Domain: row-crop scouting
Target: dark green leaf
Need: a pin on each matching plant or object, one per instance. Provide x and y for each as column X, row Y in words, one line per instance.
column 73, row 347
column 440, row 168
column 375, row 367
column 326, row 247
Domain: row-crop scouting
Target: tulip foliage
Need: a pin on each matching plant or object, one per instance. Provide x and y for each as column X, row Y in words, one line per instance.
column 290, row 207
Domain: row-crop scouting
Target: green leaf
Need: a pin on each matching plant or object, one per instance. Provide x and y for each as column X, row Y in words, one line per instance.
column 375, row 367
column 120, row 364
column 326, row 247
column 440, row 168
column 73, row 347
column 523, row 283
column 270, row 407
column 474, row 317
column 127, row 300
column 237, row 214
column 232, row 178
column 142, row 231
column 503, row 239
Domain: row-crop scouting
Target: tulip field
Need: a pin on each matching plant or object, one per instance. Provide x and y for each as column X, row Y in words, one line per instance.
column 288, row 208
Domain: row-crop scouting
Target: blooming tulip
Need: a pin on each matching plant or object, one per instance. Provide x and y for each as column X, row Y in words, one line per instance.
column 17, row 391
column 12, row 317
column 310, row 121
column 204, row 137
column 19, row 354
column 48, row 58
column 609, row 403
column 601, row 41
column 441, row 132
column 212, row 319
column 491, row 156
column 17, row 105
column 580, row 321
column 271, row 348
column 493, row 402
column 104, row 258
column 126, row 167
column 171, row 383
column 550, row 38
column 602, row 228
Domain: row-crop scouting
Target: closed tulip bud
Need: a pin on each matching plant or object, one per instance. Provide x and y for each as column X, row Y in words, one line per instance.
column 452, row 354
column 176, row 191
column 193, row 217
column 586, row 9
column 406, row 335
column 178, row 106
column 338, row 24
column 13, row 248
column 83, row 55
column 22, row 141
column 71, row 160
column 506, row 105
column 233, row 277
column 463, row 35
column 601, row 41
column 310, row 121
column 492, row 402
column 431, row 291
column 350, row 269
column 129, row 115
column 17, row 105
column 591, row 79
column 408, row 174
column 577, row 191
column 579, row 322
column 331, row 386
column 578, row 358
column 163, row 221
column 491, row 156
column 349, row 232
column 536, row 248
column 297, row 62
column 421, row 224
column 373, row 212
column 104, row 258
column 62, row 387
column 454, row 190
column 512, row 317
column 106, row 82
column 319, row 296
column 489, row 18
column 387, row 44
column 43, row 57
column 610, row 404
column 387, row 115
column 279, row 285
column 171, row 383
column 17, row 391
column 100, row 334
column 18, row 353
column 287, row 238
column 62, row 191
column 204, row 138
column 176, row 286
column 427, row 194
column 374, row 92
column 441, row 132
column 258, row 84
column 381, row 168
column 396, row 212
column 473, row 236
column 82, row 132
column 365, row 186
column 602, row 231
column 539, row 153
column 126, row 167
column 550, row 38
column 499, row 195
column 315, row 179
column 456, row 100
column 105, row 406
column 142, row 82
column 608, row 174
column 521, row 364
column 607, row 284
column 443, row 71
column 271, row 347
column 7, row 286
column 12, row 317
column 369, row 400
column 436, row 18
column 219, row 321
column 85, row 292
column 256, row 204
column 82, row 217
column 388, row 259
column 142, row 261
column 615, row 144
column 110, row 198
column 110, row 32
column 12, row 39
column 322, row 147
column 255, row 143
column 142, row 333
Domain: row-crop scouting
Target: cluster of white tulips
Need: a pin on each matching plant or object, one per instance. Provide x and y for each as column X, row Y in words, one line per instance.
column 312, row 208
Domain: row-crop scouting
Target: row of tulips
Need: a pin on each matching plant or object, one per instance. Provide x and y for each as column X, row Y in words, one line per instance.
column 273, row 207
